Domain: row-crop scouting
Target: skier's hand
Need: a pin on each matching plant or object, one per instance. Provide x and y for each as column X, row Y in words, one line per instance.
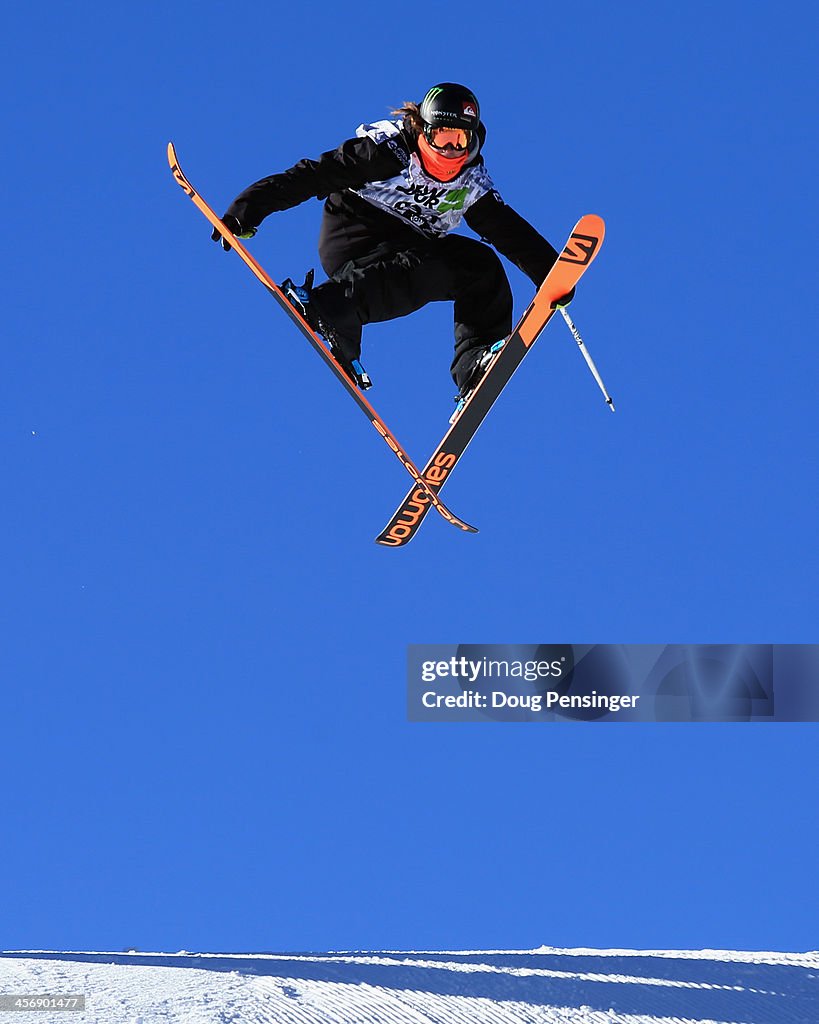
column 564, row 301
column 236, row 228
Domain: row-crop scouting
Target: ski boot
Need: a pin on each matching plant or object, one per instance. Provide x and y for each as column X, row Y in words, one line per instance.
column 299, row 297
column 485, row 360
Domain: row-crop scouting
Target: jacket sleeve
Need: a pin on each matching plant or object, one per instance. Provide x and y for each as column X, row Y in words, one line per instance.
column 354, row 163
column 512, row 236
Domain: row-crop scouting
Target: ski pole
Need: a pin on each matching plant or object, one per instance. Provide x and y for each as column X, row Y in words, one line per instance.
column 588, row 358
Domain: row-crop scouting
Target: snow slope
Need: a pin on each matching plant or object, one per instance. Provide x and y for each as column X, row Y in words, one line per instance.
column 544, row 986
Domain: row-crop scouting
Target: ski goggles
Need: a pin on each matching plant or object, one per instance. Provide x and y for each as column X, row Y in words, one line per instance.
column 440, row 138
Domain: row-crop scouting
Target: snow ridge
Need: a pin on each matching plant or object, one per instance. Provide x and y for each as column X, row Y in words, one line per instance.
column 543, row 986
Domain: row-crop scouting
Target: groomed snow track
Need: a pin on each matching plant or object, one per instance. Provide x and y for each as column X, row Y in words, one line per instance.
column 544, row 986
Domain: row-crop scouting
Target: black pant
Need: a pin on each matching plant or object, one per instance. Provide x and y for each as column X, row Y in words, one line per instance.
column 372, row 281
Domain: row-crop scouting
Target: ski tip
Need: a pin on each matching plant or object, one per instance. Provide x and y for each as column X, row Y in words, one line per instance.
column 596, row 219
column 388, row 539
column 610, row 404
column 397, row 537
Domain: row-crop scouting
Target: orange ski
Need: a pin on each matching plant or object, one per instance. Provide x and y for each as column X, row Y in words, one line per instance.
column 428, row 489
column 580, row 250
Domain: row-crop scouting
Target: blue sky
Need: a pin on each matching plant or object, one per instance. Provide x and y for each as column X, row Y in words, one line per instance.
column 204, row 735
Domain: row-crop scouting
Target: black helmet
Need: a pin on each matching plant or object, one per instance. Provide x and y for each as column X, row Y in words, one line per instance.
column 451, row 106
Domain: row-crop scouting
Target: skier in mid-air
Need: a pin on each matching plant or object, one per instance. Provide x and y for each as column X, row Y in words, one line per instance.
column 393, row 195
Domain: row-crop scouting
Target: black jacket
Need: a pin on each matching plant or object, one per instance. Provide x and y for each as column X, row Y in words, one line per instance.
column 392, row 162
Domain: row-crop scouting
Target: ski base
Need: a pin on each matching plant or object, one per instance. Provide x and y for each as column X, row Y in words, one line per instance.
column 578, row 254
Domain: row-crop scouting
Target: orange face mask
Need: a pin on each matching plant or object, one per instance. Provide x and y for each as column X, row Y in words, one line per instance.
column 444, row 168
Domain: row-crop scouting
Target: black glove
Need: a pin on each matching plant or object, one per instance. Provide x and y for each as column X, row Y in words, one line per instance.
column 235, row 227
column 561, row 303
